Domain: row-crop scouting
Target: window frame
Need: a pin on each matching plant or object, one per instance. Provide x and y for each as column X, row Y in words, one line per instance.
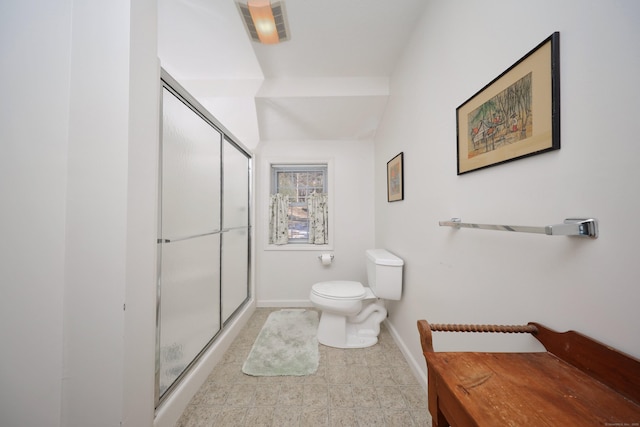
column 277, row 169
column 269, row 174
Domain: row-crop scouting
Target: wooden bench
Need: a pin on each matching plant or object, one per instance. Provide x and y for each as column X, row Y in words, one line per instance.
column 576, row 382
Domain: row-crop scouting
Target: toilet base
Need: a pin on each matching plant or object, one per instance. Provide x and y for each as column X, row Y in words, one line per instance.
column 354, row 341
column 335, row 331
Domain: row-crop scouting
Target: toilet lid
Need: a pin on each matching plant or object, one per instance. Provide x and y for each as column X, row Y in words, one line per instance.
column 339, row 289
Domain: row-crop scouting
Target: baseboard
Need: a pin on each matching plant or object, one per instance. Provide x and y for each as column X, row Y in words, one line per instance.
column 416, row 366
column 171, row 409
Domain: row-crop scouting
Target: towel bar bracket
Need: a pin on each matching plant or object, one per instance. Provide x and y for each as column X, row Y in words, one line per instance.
column 585, row 227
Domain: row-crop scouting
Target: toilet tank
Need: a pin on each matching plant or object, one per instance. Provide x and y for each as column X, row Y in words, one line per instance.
column 384, row 273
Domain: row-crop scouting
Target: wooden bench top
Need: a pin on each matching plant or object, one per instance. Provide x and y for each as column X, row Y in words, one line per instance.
column 533, row 389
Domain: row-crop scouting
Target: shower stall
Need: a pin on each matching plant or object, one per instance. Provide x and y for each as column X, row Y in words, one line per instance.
column 204, row 233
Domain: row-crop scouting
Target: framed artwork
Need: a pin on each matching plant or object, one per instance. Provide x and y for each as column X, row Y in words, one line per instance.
column 395, row 179
column 516, row 115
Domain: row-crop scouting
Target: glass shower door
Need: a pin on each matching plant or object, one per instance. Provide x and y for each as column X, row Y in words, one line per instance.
column 235, row 239
column 189, row 239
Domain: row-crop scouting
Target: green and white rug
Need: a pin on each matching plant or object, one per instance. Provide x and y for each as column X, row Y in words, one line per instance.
column 286, row 345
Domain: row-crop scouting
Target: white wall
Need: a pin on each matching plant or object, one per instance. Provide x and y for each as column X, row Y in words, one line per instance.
column 79, row 130
column 95, row 256
column 140, row 293
column 34, row 52
column 476, row 276
column 285, row 277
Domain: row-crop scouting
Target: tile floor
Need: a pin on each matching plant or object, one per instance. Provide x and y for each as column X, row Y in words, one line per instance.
column 368, row 387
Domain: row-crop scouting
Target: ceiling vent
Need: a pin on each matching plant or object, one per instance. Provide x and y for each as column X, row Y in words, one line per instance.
column 264, row 21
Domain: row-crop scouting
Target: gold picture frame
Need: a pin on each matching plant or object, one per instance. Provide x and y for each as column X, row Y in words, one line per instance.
column 395, row 178
column 516, row 115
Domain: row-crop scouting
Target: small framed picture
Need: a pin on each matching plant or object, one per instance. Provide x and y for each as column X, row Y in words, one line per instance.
column 395, row 179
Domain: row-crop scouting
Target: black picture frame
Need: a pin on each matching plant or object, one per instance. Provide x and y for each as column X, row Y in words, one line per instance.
column 395, row 178
column 516, row 115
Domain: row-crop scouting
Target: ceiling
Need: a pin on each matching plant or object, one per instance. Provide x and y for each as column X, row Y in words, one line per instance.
column 329, row 81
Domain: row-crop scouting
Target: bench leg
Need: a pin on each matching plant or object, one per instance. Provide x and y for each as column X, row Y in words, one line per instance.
column 437, row 417
column 439, row 420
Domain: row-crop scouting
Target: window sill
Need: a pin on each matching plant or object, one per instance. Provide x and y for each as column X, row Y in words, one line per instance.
column 299, row 247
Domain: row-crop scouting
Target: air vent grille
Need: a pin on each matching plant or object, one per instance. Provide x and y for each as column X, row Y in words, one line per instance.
column 280, row 17
column 248, row 23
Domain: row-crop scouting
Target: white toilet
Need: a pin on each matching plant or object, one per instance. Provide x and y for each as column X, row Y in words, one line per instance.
column 352, row 313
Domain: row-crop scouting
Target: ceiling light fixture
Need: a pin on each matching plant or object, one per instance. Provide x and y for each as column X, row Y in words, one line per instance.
column 265, row 22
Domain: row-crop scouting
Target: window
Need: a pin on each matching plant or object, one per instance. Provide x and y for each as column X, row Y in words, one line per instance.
column 298, row 183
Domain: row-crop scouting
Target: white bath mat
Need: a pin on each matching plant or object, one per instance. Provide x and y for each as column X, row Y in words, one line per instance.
column 286, row 345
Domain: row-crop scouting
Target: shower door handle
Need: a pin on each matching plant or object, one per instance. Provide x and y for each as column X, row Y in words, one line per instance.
column 177, row 239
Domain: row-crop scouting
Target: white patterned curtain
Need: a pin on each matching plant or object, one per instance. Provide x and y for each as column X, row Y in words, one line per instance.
column 278, row 219
column 318, row 219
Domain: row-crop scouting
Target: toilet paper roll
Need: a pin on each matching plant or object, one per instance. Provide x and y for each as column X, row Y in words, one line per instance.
column 326, row 259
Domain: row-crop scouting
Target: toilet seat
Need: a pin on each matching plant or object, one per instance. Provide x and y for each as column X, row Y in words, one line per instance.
column 343, row 290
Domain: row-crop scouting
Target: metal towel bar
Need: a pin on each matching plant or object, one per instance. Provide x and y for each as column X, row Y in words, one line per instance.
column 584, row 227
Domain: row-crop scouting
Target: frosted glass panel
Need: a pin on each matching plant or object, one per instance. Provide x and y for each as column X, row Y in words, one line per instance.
column 195, row 251
column 189, row 303
column 190, row 171
column 235, row 265
column 236, row 187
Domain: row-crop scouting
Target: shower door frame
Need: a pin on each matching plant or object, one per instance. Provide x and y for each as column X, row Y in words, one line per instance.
column 173, row 87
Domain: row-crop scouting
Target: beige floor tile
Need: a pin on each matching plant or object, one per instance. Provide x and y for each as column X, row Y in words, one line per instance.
column 341, row 396
column 398, row 418
column 369, row 387
column 381, row 375
column 290, row 395
column 359, row 374
column 365, row 397
column 402, row 375
column 415, row 397
column 287, row 416
column 315, row 396
column 231, row 417
column 390, row 397
column 343, row 418
column 240, row 395
column 266, row 395
column 337, row 374
column 259, row 416
column 314, row 417
column 370, row 418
